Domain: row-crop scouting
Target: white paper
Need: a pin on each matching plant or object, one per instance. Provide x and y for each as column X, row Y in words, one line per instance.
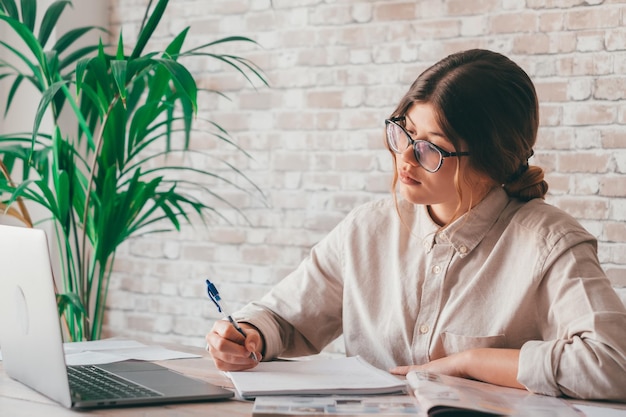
column 351, row 375
column 117, row 350
column 99, row 345
column 598, row 411
column 91, row 358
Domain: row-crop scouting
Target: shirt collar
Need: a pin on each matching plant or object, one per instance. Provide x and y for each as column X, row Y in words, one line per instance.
column 466, row 232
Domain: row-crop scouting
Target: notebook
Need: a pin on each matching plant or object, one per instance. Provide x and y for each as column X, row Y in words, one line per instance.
column 32, row 344
column 319, row 376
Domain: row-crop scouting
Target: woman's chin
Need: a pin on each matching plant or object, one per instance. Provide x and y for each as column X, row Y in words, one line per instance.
column 412, row 194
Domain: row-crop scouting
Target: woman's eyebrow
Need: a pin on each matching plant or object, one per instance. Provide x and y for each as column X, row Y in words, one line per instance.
column 432, row 133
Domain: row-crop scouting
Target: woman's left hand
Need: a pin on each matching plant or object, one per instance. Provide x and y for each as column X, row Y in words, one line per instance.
column 495, row 366
column 453, row 365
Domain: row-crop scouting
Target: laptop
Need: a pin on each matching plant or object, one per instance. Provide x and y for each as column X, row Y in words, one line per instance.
column 32, row 344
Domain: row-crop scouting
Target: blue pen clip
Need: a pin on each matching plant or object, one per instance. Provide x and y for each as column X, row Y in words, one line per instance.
column 214, row 295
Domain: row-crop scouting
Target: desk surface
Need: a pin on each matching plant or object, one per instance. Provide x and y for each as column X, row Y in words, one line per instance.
column 17, row 400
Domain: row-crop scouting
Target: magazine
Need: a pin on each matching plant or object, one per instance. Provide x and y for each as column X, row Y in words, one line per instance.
column 433, row 395
column 343, row 405
column 441, row 395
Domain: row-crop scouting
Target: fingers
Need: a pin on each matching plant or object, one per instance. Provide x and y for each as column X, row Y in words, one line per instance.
column 448, row 365
column 400, row 370
column 253, row 343
column 230, row 350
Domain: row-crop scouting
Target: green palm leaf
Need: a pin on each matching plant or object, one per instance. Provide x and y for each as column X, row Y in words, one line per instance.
column 12, row 91
column 118, row 70
column 37, row 78
column 27, row 36
column 130, row 108
column 73, row 57
column 29, row 13
column 148, row 28
column 50, row 19
column 44, row 103
column 9, row 7
column 71, row 301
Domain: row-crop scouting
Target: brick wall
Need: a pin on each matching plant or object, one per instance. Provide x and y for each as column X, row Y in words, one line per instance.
column 336, row 69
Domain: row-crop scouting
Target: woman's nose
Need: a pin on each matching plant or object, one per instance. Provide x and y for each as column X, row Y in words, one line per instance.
column 408, row 156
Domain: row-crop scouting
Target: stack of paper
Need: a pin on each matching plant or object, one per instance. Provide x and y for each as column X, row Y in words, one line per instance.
column 344, row 376
column 97, row 352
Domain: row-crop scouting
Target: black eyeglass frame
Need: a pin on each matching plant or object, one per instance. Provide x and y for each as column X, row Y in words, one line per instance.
column 413, row 143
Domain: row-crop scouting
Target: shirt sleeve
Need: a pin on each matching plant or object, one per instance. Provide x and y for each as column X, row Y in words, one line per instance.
column 302, row 313
column 583, row 351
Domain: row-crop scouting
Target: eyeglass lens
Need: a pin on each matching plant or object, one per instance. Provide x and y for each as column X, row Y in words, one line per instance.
column 425, row 153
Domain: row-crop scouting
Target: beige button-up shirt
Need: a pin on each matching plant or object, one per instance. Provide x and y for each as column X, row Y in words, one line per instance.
column 508, row 274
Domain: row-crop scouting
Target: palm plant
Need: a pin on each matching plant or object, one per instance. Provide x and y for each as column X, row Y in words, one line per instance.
column 104, row 179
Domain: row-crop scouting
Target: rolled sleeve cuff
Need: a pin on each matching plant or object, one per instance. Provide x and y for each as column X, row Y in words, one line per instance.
column 262, row 320
column 536, row 370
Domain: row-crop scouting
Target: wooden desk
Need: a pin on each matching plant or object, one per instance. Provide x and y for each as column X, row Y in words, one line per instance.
column 18, row 400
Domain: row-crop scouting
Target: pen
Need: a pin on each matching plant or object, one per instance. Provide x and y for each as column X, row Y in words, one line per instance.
column 214, row 295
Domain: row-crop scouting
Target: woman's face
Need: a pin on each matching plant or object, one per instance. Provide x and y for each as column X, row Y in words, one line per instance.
column 435, row 189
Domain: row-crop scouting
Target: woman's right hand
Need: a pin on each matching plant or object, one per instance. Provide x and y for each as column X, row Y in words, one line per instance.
column 230, row 350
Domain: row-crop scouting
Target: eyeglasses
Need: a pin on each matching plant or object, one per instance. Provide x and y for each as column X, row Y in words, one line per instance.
column 428, row 155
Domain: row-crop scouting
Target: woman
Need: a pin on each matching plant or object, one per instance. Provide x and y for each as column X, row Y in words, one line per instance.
column 470, row 273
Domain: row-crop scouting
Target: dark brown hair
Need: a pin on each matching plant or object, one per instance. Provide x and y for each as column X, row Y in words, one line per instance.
column 487, row 101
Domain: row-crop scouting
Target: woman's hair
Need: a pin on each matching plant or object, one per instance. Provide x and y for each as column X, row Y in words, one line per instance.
column 485, row 100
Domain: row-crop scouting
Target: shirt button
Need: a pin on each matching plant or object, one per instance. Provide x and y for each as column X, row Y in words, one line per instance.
column 436, row 269
column 424, row 328
column 463, row 249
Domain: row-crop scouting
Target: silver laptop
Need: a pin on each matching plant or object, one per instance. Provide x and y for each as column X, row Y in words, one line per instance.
column 32, row 345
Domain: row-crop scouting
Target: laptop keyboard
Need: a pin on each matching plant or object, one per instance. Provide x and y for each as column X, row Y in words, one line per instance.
column 89, row 382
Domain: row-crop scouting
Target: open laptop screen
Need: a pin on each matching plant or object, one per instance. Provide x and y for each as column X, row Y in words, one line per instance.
column 32, row 342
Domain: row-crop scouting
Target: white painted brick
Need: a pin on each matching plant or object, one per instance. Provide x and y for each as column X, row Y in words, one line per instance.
column 579, row 88
column 587, row 42
column 336, row 70
column 474, row 26
column 620, row 160
column 362, row 13
column 587, row 139
column 360, row 56
column 617, row 209
column 585, row 184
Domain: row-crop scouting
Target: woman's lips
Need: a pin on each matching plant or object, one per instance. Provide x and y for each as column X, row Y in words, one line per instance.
column 406, row 179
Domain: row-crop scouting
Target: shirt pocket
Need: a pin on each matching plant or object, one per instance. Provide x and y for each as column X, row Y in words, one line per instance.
column 454, row 343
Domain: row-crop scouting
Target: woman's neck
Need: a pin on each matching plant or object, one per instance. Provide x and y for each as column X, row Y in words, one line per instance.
column 444, row 214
